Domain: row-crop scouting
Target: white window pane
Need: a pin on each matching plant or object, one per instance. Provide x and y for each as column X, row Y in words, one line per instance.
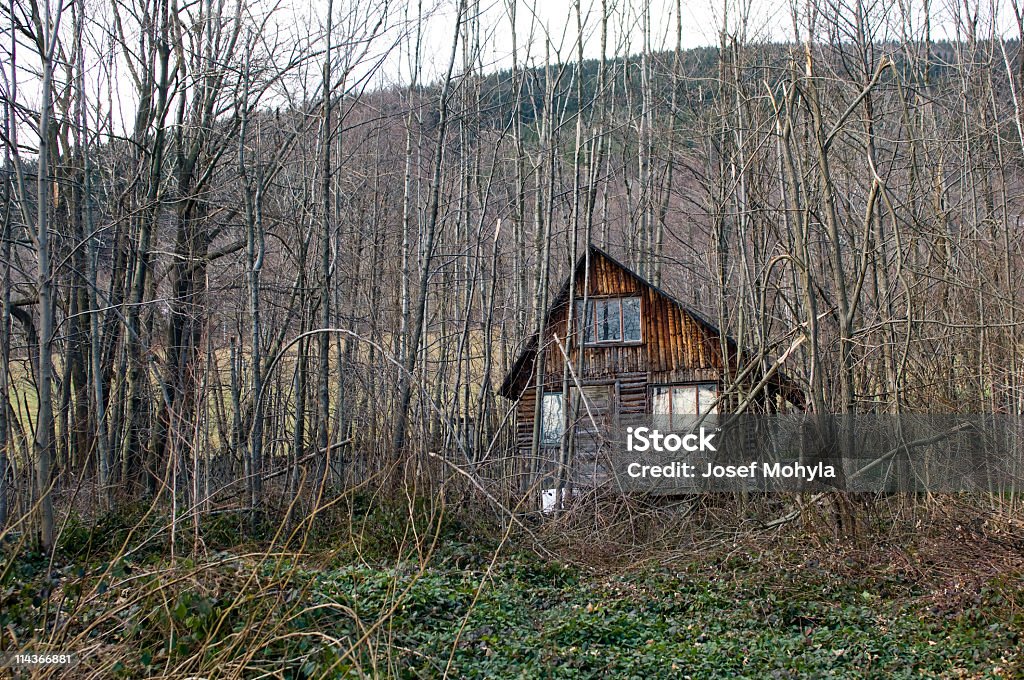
column 661, row 403
column 552, row 419
column 708, row 395
column 684, row 400
column 661, row 407
column 631, row 319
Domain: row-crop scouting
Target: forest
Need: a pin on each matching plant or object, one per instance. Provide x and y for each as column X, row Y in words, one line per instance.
column 266, row 266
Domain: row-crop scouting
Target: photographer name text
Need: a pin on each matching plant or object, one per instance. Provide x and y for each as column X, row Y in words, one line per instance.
column 752, row 470
column 645, row 439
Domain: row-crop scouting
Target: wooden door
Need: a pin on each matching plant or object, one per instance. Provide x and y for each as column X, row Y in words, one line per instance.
column 594, row 412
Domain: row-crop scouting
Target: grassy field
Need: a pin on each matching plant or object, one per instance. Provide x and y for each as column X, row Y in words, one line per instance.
column 946, row 603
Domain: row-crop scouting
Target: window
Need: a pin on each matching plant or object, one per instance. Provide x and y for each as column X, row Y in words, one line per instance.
column 552, row 419
column 680, row 402
column 609, row 320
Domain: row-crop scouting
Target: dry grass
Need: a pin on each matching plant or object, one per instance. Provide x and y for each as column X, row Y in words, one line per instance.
column 348, row 589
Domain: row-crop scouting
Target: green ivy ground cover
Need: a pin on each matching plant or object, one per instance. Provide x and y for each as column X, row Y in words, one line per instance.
column 768, row 611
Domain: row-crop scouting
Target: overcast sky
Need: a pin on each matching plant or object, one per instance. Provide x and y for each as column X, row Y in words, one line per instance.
column 552, row 24
column 544, row 27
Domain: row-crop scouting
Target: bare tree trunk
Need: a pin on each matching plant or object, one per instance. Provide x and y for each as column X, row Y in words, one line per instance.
column 44, row 280
column 99, row 408
column 542, row 249
column 427, row 254
column 255, row 249
column 323, row 384
column 150, row 112
column 5, row 312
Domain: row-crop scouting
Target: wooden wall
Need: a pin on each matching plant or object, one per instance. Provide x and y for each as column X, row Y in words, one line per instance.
column 674, row 346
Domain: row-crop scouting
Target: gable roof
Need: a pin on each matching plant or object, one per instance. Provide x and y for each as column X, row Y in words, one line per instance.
column 525, row 360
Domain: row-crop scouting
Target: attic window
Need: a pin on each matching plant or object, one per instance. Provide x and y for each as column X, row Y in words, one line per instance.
column 609, row 320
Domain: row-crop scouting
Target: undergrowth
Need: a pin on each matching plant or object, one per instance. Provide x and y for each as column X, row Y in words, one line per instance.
column 400, row 589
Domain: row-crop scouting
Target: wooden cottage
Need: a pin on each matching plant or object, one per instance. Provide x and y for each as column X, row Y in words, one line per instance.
column 634, row 349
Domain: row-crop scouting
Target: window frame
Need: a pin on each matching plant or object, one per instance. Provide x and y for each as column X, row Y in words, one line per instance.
column 592, row 301
column 696, row 385
column 553, row 441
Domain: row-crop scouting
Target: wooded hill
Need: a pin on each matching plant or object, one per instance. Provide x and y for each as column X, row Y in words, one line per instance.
column 278, row 260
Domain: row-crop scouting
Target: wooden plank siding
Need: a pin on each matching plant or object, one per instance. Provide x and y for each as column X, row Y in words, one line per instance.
column 674, row 346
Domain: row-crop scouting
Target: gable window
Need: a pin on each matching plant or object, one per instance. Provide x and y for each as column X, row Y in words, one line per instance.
column 552, row 419
column 679, row 403
column 609, row 320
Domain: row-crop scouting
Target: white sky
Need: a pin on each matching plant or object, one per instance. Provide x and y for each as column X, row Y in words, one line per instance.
column 552, row 25
column 544, row 27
